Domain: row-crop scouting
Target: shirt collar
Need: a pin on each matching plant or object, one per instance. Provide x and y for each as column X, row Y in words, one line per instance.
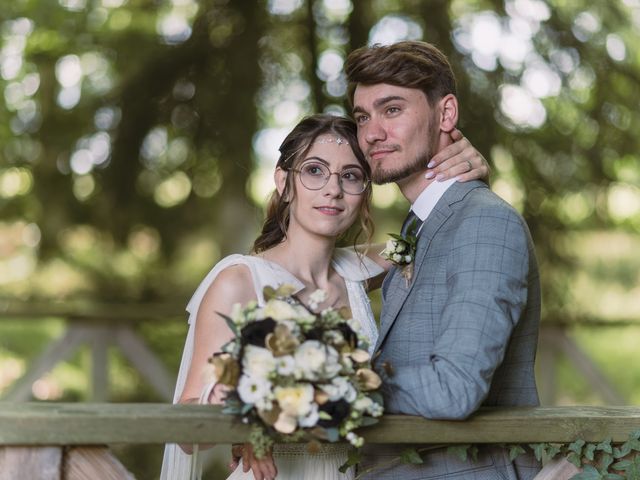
column 427, row 200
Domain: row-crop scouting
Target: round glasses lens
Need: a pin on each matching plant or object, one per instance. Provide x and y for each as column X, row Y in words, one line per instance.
column 314, row 176
column 353, row 181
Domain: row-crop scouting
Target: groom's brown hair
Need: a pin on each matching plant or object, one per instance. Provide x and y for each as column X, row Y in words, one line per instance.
column 409, row 64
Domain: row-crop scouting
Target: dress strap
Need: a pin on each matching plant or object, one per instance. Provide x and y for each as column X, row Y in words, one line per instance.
column 352, row 266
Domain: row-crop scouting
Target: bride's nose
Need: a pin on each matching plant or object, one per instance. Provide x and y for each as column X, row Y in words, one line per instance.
column 333, row 187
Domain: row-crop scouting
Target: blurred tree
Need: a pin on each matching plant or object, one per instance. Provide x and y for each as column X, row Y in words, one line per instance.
column 142, row 129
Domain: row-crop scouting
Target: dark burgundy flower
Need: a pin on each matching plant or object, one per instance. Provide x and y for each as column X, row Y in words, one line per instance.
column 350, row 337
column 255, row 332
column 338, row 410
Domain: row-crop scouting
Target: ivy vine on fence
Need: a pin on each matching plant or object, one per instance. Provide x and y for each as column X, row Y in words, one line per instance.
column 598, row 461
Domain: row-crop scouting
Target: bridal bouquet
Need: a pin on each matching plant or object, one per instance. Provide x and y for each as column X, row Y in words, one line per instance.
column 296, row 374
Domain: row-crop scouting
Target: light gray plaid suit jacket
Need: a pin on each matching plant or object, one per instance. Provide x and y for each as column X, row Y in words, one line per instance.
column 463, row 333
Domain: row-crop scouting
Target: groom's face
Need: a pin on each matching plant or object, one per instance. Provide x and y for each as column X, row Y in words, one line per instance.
column 397, row 130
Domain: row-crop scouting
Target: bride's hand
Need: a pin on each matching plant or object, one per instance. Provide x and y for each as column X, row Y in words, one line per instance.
column 459, row 159
column 263, row 468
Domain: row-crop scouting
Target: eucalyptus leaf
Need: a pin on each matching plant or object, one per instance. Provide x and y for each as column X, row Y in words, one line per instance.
column 368, row 421
column 333, row 435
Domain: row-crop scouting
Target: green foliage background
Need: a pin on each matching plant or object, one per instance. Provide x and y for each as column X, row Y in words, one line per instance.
column 136, row 148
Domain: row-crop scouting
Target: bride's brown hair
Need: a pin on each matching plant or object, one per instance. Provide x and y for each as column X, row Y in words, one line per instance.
column 292, row 150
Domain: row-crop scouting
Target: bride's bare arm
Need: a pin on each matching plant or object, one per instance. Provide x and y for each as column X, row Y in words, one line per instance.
column 233, row 285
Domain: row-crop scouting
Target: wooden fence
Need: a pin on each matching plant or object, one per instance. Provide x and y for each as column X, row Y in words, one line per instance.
column 101, row 326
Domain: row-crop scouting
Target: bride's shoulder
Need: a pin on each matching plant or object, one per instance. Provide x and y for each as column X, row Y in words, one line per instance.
column 232, row 281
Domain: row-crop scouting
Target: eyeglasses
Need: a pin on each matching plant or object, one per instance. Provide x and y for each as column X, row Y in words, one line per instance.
column 315, row 175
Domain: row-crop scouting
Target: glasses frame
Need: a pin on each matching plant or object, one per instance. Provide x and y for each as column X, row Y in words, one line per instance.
column 367, row 181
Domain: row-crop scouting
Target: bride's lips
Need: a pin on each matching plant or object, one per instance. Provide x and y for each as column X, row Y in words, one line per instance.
column 327, row 210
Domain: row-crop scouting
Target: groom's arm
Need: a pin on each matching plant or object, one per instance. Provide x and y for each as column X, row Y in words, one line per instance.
column 487, row 270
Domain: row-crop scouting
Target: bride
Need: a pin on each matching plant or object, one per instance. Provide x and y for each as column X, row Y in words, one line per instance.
column 322, row 189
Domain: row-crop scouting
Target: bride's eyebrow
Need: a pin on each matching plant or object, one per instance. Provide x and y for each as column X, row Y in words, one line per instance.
column 321, row 160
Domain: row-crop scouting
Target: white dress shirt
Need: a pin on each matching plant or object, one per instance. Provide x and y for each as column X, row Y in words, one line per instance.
column 425, row 202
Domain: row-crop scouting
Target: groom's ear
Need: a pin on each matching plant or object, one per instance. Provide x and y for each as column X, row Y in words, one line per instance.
column 446, row 120
column 280, row 178
column 447, row 113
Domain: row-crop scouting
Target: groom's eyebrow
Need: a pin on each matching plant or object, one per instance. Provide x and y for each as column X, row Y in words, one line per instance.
column 380, row 102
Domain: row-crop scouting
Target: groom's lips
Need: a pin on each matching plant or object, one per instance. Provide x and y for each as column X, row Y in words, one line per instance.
column 380, row 152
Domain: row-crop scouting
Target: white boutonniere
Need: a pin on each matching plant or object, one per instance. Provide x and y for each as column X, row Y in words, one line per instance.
column 401, row 251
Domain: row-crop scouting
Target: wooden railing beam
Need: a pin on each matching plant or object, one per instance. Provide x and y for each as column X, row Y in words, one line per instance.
column 92, row 424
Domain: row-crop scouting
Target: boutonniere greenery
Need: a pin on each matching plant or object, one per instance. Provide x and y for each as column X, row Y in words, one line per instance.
column 401, row 251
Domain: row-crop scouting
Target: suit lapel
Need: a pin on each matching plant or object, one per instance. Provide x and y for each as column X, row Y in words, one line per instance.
column 395, row 287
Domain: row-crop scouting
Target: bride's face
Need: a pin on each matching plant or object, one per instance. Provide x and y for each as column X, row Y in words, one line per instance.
column 326, row 209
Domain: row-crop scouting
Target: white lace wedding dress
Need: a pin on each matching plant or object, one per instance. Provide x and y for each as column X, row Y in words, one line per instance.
column 292, row 460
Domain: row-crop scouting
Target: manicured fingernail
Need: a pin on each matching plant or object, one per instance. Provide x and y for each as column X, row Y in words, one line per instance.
column 440, row 177
column 430, row 175
column 431, row 164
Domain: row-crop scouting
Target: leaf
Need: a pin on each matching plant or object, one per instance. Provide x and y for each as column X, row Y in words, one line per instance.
column 538, row 450
column 473, row 452
column 368, row 421
column 577, row 446
column 605, row 446
column 605, row 462
column 631, row 468
column 353, row 458
column 553, row 449
column 514, row 451
column 589, row 451
column 623, row 451
column 232, row 326
column 269, row 293
column 333, row 435
column 589, row 473
column 621, row 465
column 246, row 408
column 460, row 451
column 612, row 476
column 575, row 459
column 411, row 456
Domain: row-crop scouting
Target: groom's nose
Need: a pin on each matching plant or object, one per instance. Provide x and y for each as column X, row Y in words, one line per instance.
column 373, row 131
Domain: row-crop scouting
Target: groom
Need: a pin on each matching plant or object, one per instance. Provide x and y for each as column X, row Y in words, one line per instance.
column 462, row 333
